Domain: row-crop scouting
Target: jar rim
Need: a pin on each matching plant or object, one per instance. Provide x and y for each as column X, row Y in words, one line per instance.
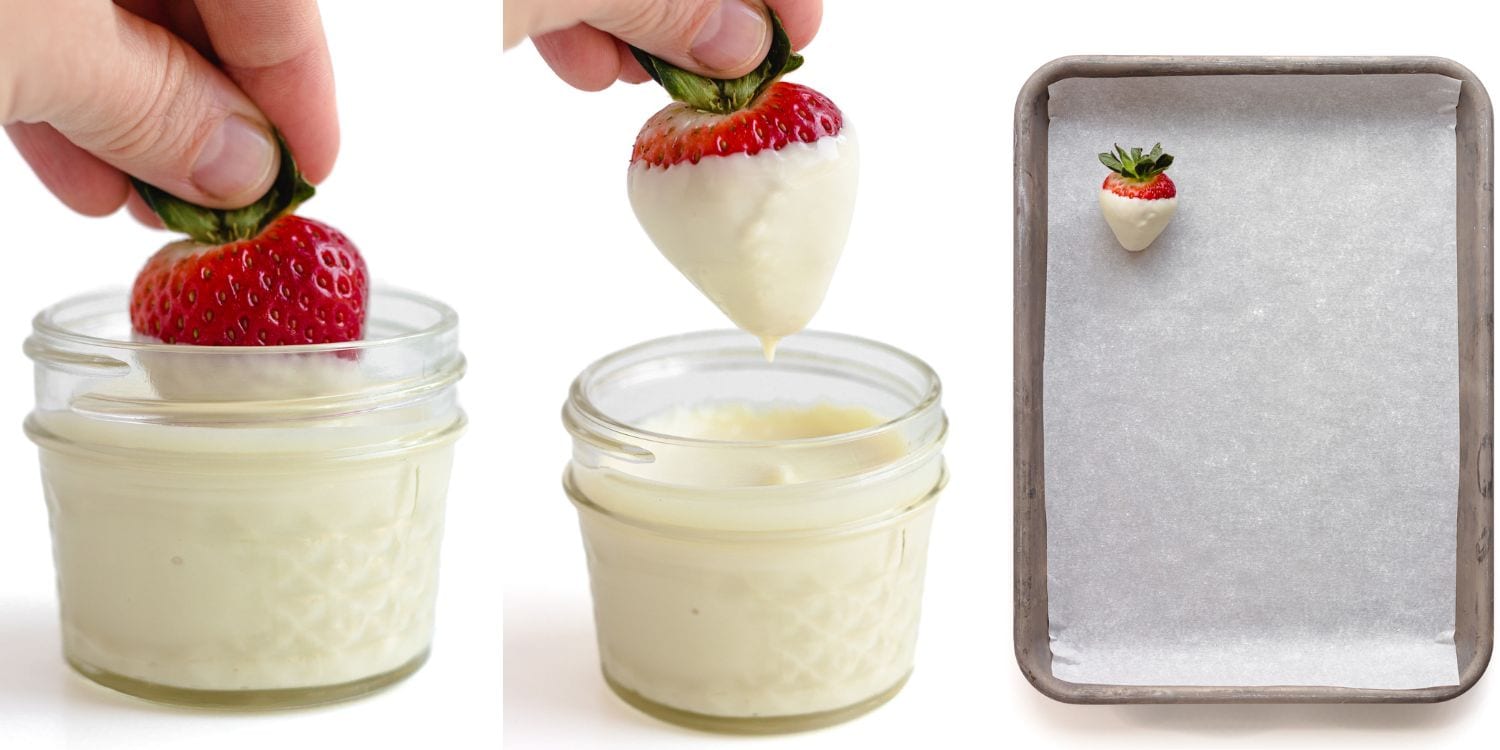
column 46, row 323
column 579, row 401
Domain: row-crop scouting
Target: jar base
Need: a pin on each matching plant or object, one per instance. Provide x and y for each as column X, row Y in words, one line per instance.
column 248, row 700
column 753, row 724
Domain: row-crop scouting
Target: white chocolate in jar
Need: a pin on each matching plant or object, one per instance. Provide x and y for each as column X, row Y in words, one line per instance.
column 235, row 558
column 761, row 625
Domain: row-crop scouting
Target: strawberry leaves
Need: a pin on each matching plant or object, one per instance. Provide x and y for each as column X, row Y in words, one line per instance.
column 212, row 226
column 1134, row 164
column 724, row 96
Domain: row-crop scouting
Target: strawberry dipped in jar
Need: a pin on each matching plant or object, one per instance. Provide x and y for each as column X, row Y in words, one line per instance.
column 245, row 461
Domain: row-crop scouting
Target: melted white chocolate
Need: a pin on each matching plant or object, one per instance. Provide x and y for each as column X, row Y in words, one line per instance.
column 739, row 624
column 246, row 558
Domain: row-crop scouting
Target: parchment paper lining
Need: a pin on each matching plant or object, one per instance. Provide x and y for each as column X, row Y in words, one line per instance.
column 1251, row 427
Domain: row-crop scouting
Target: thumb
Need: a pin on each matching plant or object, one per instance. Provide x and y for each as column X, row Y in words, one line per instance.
column 145, row 102
column 717, row 38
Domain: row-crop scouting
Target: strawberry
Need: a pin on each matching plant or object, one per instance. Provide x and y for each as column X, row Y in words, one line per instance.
column 297, row 282
column 257, row 276
column 1138, row 198
column 786, row 113
column 747, row 187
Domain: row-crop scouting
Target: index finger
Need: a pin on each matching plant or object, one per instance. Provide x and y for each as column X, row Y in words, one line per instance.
column 800, row 18
column 275, row 51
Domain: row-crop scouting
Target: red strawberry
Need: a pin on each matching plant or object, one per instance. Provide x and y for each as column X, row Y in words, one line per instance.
column 785, row 113
column 747, row 187
column 1137, row 198
column 297, row 282
column 257, row 276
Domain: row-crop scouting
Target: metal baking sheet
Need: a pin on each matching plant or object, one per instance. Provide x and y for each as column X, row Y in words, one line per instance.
column 1266, row 436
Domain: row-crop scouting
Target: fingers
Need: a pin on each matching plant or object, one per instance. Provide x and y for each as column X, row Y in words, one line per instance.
column 718, row 38
column 276, row 52
column 800, row 18
column 180, row 16
column 76, row 177
column 143, row 101
column 584, row 56
column 630, row 68
column 138, row 209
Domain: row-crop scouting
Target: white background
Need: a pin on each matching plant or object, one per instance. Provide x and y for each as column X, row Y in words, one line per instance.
column 488, row 183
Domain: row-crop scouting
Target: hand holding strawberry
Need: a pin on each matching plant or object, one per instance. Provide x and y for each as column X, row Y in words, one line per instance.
column 586, row 43
column 1138, row 198
column 181, row 94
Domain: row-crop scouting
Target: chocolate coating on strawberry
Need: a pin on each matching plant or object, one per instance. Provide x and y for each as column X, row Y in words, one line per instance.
column 298, row 282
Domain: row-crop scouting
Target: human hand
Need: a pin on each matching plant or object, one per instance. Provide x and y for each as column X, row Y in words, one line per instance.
column 584, row 40
column 178, row 93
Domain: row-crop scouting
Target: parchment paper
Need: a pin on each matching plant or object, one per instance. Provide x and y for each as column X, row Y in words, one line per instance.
column 1252, row 426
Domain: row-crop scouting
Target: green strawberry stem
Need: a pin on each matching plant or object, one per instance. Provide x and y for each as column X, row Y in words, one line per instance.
column 721, row 95
column 213, row 226
column 1134, row 165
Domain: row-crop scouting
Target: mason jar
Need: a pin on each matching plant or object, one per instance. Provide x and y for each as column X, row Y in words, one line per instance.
column 756, row 532
column 246, row 526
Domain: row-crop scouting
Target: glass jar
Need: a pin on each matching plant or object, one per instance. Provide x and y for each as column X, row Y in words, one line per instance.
column 246, row 526
column 756, row 584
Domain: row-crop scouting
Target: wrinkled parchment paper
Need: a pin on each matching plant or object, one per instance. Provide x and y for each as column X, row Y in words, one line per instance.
column 1252, row 426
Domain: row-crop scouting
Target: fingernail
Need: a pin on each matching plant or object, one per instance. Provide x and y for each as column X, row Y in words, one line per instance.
column 235, row 161
column 735, row 35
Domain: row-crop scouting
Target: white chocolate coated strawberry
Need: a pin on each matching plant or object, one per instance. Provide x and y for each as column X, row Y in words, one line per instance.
column 1138, row 199
column 747, row 187
column 759, row 235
